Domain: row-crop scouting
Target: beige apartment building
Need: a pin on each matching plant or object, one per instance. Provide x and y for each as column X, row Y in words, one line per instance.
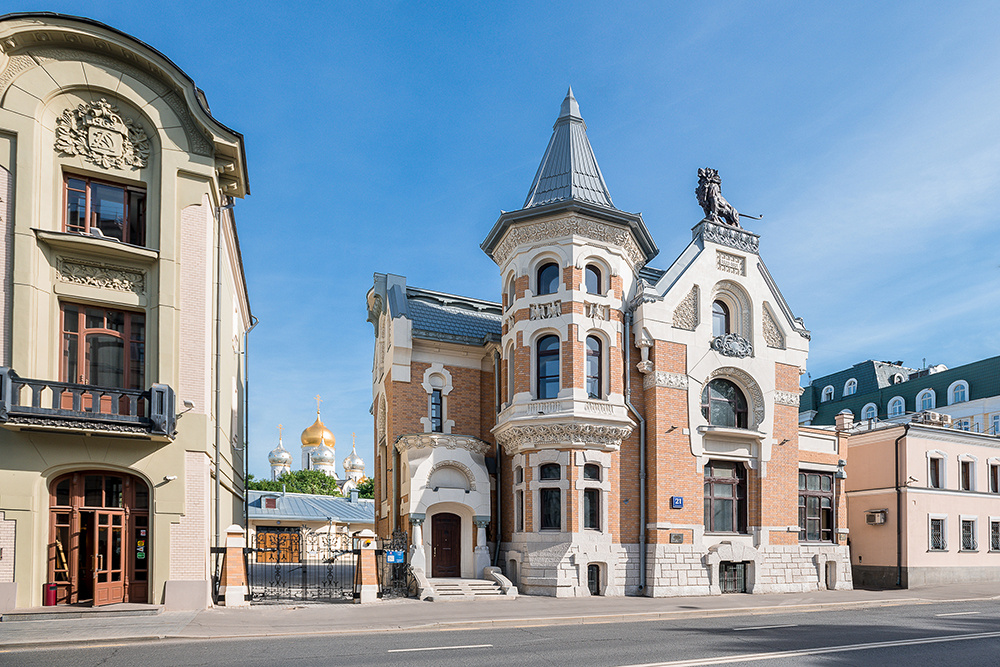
column 123, row 320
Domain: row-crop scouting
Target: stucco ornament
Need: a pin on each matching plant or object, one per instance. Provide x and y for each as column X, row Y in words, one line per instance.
column 104, row 276
column 772, row 334
column 732, row 345
column 749, row 385
column 532, row 436
column 101, row 135
column 686, row 313
column 445, row 440
column 573, row 226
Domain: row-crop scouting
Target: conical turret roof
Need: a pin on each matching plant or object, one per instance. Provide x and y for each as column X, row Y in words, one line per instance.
column 569, row 169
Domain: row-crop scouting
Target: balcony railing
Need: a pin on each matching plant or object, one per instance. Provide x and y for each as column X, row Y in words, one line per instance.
column 65, row 404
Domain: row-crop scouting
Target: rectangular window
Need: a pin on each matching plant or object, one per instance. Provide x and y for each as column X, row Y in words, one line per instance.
column 934, row 473
column 106, row 209
column 592, row 509
column 969, row 535
column 994, row 535
column 103, row 347
column 519, row 500
column 937, row 541
column 551, row 515
column 725, row 497
column 965, row 476
column 995, row 420
column 816, row 507
column 994, row 478
column 437, row 411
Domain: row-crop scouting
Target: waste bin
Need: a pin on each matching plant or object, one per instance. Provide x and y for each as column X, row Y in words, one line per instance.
column 49, row 594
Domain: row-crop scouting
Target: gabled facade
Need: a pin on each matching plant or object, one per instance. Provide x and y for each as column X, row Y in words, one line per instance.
column 639, row 426
column 123, row 313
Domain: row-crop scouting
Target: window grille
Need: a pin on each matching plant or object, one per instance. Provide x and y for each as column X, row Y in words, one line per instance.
column 938, row 542
column 969, row 535
column 733, row 577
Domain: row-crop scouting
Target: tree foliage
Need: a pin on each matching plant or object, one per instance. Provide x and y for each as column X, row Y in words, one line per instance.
column 298, row 481
column 366, row 489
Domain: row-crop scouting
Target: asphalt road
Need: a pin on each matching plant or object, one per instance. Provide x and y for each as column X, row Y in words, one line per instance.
column 912, row 635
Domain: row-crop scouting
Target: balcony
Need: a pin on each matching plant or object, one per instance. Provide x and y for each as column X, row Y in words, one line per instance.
column 64, row 406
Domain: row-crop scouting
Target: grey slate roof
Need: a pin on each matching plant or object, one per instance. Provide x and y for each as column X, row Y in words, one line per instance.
column 569, row 169
column 442, row 316
column 310, row 507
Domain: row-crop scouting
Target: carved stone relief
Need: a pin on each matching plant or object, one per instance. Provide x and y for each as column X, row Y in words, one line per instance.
column 543, row 311
column 746, row 381
column 786, row 398
column 101, row 135
column 465, row 470
column 448, row 441
column 572, row 434
column 661, row 379
column 732, row 345
column 772, row 333
column 731, row 263
column 729, row 236
column 540, row 231
column 104, row 276
column 597, row 311
column 686, row 313
column 380, row 420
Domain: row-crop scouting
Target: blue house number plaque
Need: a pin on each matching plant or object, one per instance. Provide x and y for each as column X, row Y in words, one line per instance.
column 676, row 502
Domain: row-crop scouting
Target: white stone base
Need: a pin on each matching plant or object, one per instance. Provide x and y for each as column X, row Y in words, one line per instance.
column 369, row 593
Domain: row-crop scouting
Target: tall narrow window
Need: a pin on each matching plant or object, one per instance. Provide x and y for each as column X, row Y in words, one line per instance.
column 510, row 291
column 520, row 511
column 548, row 278
column 725, row 497
column 937, row 535
column 934, row 473
column 966, row 480
column 720, row 319
column 592, row 509
column 815, row 507
column 437, row 411
column 994, row 535
column 548, row 367
column 592, row 280
column 969, row 542
column 510, row 373
column 551, row 502
column 994, row 478
column 723, row 404
column 594, row 384
column 103, row 347
column 106, row 209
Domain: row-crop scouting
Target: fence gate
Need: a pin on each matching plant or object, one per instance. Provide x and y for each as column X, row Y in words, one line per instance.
column 392, row 558
column 284, row 564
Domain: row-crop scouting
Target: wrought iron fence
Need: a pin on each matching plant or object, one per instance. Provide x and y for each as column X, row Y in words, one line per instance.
column 290, row 565
column 394, row 575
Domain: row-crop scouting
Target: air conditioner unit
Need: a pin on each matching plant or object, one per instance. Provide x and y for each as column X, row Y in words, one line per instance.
column 876, row 517
column 945, row 419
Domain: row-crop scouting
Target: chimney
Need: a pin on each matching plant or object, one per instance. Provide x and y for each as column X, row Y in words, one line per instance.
column 844, row 420
column 354, row 496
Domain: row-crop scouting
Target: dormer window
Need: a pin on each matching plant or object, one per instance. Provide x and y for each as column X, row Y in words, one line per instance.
column 827, row 394
column 548, row 278
column 106, row 210
column 850, row 387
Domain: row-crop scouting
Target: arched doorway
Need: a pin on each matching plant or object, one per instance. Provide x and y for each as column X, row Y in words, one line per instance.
column 99, row 538
column 446, row 544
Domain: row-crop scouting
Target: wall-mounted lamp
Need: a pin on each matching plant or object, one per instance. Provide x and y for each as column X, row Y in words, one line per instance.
column 671, row 429
column 188, row 407
column 169, row 478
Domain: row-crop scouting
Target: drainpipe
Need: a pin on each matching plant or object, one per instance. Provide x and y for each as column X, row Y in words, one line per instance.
column 642, row 452
column 246, row 420
column 496, row 394
column 899, row 513
column 230, row 203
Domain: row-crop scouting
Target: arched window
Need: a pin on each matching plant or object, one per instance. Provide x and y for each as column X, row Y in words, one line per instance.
column 926, row 400
column 510, row 291
column 850, row 387
column 870, row 411
column 594, row 384
column 958, row 392
column 723, row 404
column 897, row 378
column 548, row 367
column 827, row 394
column 720, row 319
column 592, row 280
column 549, row 472
column 548, row 278
column 896, row 406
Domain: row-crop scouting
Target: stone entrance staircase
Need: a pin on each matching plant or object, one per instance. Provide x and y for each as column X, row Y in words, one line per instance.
column 466, row 589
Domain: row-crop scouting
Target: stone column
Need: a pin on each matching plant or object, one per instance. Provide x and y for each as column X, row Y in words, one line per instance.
column 482, row 551
column 233, row 586
column 418, row 558
column 366, row 565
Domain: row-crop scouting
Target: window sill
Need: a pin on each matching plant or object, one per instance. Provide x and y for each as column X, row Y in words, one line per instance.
column 937, row 551
column 713, row 534
column 968, row 551
column 72, row 242
column 731, row 432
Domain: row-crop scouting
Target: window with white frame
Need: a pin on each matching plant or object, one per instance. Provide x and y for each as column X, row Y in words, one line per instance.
column 547, row 365
column 994, row 477
column 592, row 279
column 550, row 497
column 966, row 473
column 850, row 387
column 437, row 383
column 547, row 279
column 870, row 411
column 994, row 534
column 897, row 406
column 591, row 497
column 827, row 394
column 510, row 291
column 995, row 421
column 935, row 471
column 958, row 392
column 937, row 533
column 925, row 399
column 969, row 542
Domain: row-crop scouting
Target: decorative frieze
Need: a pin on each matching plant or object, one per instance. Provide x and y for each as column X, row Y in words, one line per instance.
column 730, row 263
column 734, row 237
column 732, row 345
column 543, row 311
column 661, row 379
column 572, row 226
column 786, row 398
column 446, row 440
column 104, row 276
column 457, row 465
column 746, row 381
column 597, row 311
column 101, row 135
column 772, row 334
column 516, row 438
column 686, row 312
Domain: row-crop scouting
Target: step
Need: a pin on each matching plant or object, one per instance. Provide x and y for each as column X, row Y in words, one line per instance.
column 67, row 612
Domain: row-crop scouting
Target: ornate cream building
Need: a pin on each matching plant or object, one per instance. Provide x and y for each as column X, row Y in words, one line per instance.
column 607, row 427
column 123, row 319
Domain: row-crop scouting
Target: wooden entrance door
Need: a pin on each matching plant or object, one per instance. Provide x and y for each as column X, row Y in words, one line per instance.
column 109, row 564
column 446, row 541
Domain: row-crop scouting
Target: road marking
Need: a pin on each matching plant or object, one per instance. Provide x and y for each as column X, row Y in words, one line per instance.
column 959, row 613
column 779, row 655
column 437, row 648
column 767, row 627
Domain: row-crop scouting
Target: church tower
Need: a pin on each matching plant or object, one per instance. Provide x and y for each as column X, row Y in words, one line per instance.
column 568, row 260
column 280, row 459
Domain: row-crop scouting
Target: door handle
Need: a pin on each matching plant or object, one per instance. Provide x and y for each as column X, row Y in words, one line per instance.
column 435, row 552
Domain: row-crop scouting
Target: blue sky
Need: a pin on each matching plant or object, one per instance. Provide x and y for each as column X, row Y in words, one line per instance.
column 388, row 136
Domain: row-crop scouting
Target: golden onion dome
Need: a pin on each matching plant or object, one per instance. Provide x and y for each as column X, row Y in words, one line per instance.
column 317, row 434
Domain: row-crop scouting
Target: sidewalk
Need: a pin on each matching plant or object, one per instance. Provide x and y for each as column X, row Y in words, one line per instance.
column 407, row 615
